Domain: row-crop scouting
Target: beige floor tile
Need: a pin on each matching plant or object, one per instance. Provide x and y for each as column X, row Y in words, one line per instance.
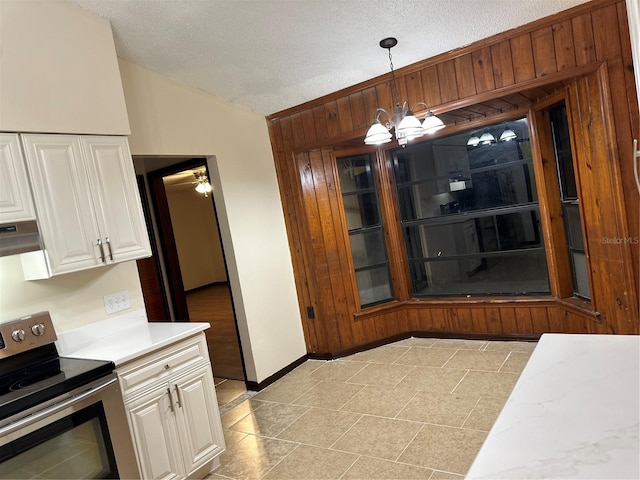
column 306, row 368
column 319, row 427
column 380, row 401
column 441, row 409
column 440, row 475
column 384, row 354
column 515, row 362
column 376, row 469
column 416, row 342
column 229, row 390
column 487, row 384
column 287, row 389
column 441, row 380
column 485, row 413
column 238, row 412
column 526, row 347
column 252, row 457
column 337, row 371
column 444, row 448
column 460, row 344
column 326, row 394
column 269, row 419
column 381, row 374
column 476, row 360
column 425, row 357
column 231, row 437
column 307, row 462
column 378, row 437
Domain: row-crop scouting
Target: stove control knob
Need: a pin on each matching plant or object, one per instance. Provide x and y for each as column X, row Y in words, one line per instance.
column 18, row 335
column 37, row 329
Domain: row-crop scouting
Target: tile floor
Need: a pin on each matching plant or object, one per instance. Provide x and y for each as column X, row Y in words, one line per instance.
column 416, row 409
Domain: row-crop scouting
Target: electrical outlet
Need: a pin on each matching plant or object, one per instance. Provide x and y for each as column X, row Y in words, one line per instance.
column 116, row 302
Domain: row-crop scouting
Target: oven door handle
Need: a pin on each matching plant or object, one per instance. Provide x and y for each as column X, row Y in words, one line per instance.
column 55, row 408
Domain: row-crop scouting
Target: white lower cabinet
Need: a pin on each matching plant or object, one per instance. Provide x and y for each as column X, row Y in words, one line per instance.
column 174, row 420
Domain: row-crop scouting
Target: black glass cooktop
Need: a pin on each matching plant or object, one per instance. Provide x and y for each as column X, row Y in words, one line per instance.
column 39, row 375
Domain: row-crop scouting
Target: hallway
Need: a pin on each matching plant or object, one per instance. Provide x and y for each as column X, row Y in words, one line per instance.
column 213, row 304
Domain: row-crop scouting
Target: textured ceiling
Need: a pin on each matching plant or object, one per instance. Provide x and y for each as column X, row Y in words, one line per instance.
column 269, row 55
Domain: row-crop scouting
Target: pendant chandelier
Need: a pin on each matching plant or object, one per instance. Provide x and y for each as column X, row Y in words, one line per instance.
column 403, row 122
column 487, row 138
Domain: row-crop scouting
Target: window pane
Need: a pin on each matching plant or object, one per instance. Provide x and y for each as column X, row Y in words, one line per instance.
column 581, row 277
column 361, row 210
column 366, row 234
column 367, row 248
column 355, row 174
column 470, row 214
column 514, row 273
column 374, row 285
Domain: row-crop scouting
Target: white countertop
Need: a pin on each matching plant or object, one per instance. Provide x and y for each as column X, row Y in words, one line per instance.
column 123, row 338
column 572, row 414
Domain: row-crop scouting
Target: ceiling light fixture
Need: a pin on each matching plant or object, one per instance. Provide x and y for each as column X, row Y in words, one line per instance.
column 488, row 138
column 404, row 122
column 202, row 184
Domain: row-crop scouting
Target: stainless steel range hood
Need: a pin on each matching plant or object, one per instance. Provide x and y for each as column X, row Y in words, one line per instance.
column 19, row 237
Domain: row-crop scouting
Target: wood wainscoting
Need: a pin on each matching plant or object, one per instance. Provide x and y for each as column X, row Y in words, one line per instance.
column 584, row 56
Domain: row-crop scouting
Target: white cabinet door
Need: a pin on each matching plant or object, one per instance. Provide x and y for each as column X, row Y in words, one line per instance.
column 16, row 204
column 198, row 418
column 87, row 200
column 66, row 216
column 116, row 198
column 154, row 433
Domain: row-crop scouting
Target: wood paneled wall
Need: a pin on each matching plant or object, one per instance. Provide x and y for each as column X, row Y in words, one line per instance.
column 506, row 72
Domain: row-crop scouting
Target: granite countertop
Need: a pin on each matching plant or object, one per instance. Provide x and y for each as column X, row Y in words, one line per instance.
column 572, row 414
column 123, row 338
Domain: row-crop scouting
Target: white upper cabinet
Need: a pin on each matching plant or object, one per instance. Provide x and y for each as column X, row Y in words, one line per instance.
column 16, row 204
column 87, row 201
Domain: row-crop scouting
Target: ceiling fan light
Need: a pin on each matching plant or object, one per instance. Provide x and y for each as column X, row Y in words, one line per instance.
column 431, row 123
column 473, row 141
column 486, row 138
column 507, row 135
column 377, row 134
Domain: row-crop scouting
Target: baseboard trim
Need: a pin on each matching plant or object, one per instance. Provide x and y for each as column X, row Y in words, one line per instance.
column 257, row 386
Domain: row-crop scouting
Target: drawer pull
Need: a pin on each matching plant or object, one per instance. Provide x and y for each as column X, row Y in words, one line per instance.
column 167, row 366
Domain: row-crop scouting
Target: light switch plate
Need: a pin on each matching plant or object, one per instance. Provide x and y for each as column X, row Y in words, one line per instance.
column 117, row 302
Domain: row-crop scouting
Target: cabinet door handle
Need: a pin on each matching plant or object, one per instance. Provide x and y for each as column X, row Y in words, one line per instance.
column 170, row 400
column 110, row 250
column 104, row 260
column 178, row 396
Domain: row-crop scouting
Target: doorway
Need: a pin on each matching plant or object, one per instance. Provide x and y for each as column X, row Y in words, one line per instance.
column 192, row 268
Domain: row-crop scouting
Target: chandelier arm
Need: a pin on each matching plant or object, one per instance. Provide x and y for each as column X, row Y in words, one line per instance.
column 421, row 103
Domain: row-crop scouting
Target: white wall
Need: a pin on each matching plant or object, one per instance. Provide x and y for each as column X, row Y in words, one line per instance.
column 197, row 238
column 58, row 70
column 73, row 300
column 171, row 119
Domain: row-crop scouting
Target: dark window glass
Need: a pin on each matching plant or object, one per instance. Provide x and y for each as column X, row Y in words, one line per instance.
column 570, row 201
column 470, row 215
column 366, row 235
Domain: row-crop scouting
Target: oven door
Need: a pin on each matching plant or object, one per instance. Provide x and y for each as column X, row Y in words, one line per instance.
column 82, row 434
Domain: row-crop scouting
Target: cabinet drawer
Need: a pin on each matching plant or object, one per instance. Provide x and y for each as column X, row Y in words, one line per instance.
column 160, row 365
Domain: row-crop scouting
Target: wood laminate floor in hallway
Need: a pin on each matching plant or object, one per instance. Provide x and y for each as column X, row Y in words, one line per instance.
column 213, row 304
